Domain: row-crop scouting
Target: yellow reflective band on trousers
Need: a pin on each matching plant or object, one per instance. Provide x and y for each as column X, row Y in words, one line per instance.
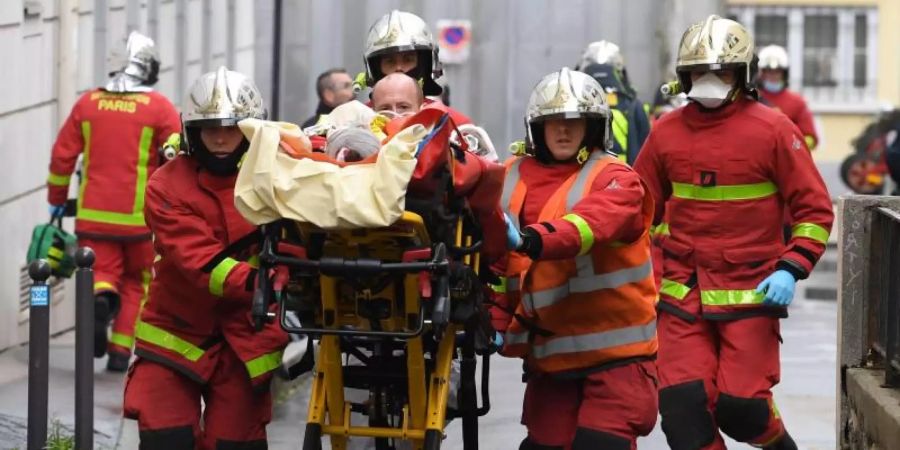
column 162, row 338
column 122, row 340
column 620, row 130
column 58, row 180
column 592, row 342
column 674, row 289
column 263, row 364
column 100, row 286
column 811, row 231
column 136, row 216
column 731, row 297
column 219, row 274
column 724, row 193
column 584, row 232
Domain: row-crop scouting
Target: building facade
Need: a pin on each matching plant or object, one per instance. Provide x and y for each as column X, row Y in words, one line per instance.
column 843, row 58
column 54, row 50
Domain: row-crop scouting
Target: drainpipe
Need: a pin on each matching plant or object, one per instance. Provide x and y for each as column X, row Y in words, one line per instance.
column 67, row 59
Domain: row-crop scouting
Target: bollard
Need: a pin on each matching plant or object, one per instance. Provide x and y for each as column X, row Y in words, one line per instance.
column 38, row 353
column 84, row 349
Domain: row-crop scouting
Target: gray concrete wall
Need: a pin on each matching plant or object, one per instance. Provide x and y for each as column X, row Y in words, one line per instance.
column 52, row 56
column 60, row 49
column 515, row 43
column 856, row 281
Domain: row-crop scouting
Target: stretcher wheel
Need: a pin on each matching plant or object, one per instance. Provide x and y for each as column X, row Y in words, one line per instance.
column 312, row 439
column 433, row 440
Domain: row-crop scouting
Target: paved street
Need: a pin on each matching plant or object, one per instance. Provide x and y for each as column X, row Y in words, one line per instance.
column 805, row 396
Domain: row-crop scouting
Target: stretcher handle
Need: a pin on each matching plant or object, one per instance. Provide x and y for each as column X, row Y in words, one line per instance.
column 315, row 333
column 440, row 313
column 259, row 309
column 332, row 266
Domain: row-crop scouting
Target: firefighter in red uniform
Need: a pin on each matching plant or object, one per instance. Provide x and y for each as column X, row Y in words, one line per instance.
column 773, row 80
column 118, row 129
column 578, row 298
column 725, row 166
column 195, row 337
column 401, row 42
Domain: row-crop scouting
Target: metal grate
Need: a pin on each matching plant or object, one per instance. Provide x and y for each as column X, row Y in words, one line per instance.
column 57, row 293
column 884, row 337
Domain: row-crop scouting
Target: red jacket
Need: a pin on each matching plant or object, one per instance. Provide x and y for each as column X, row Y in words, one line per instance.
column 119, row 134
column 725, row 177
column 200, row 296
column 793, row 106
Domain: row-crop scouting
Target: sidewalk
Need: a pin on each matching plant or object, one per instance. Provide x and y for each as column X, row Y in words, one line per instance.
column 14, row 395
column 805, row 395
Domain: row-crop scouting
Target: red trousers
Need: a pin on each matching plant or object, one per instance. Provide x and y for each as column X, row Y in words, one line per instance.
column 718, row 375
column 166, row 405
column 619, row 402
column 122, row 268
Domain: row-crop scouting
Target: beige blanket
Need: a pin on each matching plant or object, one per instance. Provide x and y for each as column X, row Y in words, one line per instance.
column 272, row 185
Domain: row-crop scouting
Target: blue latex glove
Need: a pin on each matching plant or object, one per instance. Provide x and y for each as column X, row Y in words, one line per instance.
column 56, row 210
column 498, row 339
column 513, row 237
column 778, row 287
column 496, row 343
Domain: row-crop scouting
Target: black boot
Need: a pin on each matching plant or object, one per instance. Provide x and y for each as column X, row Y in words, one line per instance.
column 105, row 308
column 785, row 443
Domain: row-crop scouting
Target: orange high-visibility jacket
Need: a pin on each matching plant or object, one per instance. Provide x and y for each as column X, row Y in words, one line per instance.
column 597, row 304
column 119, row 134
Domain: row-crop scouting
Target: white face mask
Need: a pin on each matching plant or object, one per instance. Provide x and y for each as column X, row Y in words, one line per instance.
column 709, row 90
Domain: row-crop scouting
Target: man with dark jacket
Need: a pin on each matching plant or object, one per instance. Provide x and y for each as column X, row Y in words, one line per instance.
column 334, row 88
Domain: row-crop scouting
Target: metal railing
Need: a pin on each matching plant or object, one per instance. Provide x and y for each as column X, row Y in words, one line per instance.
column 884, row 318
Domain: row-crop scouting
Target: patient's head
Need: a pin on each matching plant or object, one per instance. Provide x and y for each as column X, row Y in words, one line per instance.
column 397, row 95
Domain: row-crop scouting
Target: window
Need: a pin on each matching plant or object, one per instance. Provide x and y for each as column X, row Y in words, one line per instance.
column 771, row 29
column 831, row 50
column 820, row 50
column 859, row 50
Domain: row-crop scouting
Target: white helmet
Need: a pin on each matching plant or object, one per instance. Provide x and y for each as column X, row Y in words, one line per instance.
column 219, row 99
column 222, row 98
column 567, row 94
column 715, row 43
column 138, row 68
column 773, row 57
column 400, row 31
column 602, row 52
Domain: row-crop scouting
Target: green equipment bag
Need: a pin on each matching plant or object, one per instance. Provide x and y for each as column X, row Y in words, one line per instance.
column 50, row 242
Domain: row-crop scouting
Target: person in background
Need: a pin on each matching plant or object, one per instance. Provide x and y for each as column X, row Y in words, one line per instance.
column 397, row 95
column 603, row 61
column 774, row 67
column 334, row 87
column 401, row 42
column 118, row 128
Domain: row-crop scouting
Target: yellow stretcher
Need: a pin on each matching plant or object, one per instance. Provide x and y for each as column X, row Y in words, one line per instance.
column 393, row 309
